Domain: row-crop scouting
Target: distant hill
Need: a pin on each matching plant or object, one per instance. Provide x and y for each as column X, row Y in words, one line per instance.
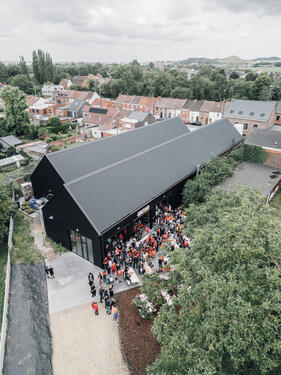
column 273, row 58
column 232, row 60
column 200, row 61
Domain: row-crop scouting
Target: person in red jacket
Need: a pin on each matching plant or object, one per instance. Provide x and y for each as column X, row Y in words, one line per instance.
column 95, row 308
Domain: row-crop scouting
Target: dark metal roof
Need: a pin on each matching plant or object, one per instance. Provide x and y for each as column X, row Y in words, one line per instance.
column 265, row 138
column 117, row 190
column 91, row 156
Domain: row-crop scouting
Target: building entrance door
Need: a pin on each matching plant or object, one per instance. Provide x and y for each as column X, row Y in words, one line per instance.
column 82, row 246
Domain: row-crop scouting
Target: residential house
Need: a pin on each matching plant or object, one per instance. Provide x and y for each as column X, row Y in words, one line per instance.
column 190, row 111
column 8, row 141
column 75, row 108
column 48, row 89
column 210, row 112
column 94, row 117
column 168, row 107
column 147, row 104
column 68, row 96
column 251, row 113
column 31, row 100
column 136, row 120
column 103, row 103
column 66, row 83
column 270, row 141
column 80, row 80
column 129, row 102
column 42, row 108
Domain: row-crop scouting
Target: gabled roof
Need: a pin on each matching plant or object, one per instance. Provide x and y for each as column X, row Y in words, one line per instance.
column 148, row 101
column 81, row 160
column 211, row 106
column 31, row 100
column 11, row 140
column 265, row 138
column 128, row 99
column 117, row 189
column 193, row 105
column 249, row 109
column 169, row 103
column 259, row 176
column 138, row 116
column 76, row 105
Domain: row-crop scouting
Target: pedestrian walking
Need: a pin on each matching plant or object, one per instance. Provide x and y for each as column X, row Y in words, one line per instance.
column 93, row 291
column 100, row 278
column 95, row 308
column 51, row 272
column 107, row 305
column 114, row 313
column 47, row 271
column 101, row 293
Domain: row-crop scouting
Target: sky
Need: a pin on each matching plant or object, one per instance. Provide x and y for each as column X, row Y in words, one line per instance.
column 147, row 30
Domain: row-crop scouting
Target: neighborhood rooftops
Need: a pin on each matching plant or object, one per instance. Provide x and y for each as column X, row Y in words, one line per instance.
column 265, row 138
column 258, row 176
column 144, row 174
column 249, row 109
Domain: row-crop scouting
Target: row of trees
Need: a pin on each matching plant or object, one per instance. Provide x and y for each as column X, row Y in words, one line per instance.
column 210, row 83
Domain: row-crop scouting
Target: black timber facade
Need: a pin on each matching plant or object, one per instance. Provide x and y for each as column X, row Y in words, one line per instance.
column 76, row 206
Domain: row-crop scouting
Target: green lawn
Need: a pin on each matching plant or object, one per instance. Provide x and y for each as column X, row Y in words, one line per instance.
column 276, row 200
column 23, row 250
column 3, row 262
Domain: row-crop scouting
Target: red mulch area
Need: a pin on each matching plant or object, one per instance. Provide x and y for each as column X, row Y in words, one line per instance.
column 139, row 345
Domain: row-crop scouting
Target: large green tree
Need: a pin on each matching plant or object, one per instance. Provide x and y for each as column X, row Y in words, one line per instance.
column 43, row 68
column 17, row 118
column 225, row 317
column 23, row 82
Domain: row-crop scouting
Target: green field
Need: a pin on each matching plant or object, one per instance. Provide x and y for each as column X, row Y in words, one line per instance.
column 3, row 262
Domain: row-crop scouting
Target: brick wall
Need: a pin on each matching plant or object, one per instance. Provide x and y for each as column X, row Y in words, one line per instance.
column 273, row 159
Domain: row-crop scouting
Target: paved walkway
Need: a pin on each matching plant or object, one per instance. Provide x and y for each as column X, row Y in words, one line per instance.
column 83, row 344
column 38, row 233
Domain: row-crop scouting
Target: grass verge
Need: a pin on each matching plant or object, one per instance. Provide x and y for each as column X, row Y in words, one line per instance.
column 24, row 250
column 3, row 264
column 59, row 249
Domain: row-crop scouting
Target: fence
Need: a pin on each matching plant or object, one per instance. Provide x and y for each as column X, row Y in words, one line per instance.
column 6, row 298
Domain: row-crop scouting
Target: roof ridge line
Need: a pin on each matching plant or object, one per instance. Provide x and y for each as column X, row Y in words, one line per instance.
column 128, row 158
column 159, row 123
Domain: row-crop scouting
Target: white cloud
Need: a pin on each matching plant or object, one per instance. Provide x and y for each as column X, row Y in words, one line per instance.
column 107, row 30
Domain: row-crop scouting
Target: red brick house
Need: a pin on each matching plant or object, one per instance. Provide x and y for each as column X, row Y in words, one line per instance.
column 168, row 107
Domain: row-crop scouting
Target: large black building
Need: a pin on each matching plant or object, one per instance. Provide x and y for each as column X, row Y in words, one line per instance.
column 98, row 189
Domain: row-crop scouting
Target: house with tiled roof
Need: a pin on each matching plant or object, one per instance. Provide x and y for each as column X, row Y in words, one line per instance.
column 252, row 114
column 190, row 111
column 210, row 111
column 129, row 102
column 147, row 104
column 66, row 96
column 80, row 80
column 136, row 120
column 168, row 107
column 66, row 83
column 31, row 100
column 103, row 103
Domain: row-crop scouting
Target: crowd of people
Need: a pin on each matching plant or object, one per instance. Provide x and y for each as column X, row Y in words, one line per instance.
column 138, row 252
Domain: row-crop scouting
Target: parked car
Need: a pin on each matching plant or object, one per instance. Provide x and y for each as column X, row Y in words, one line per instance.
column 196, row 123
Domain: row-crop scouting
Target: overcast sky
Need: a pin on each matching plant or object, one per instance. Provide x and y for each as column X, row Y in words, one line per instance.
column 110, row 30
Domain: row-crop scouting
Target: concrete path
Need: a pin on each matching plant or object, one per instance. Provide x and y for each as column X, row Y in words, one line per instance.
column 85, row 344
column 70, row 286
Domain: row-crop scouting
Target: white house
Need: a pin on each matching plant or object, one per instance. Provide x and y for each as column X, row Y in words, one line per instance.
column 48, row 89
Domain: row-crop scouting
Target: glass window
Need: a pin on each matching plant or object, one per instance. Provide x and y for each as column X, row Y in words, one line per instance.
column 81, row 245
column 90, row 250
column 245, row 126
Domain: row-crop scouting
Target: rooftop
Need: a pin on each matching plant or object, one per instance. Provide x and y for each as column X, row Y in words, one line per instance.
column 258, row 176
column 11, row 140
column 249, row 109
column 265, row 138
